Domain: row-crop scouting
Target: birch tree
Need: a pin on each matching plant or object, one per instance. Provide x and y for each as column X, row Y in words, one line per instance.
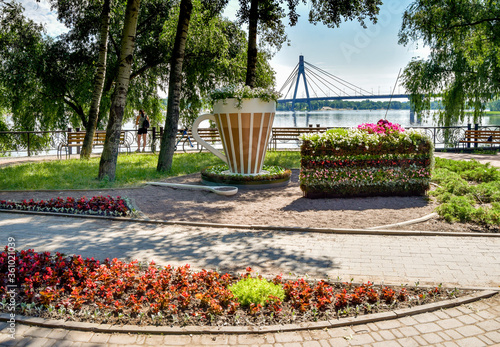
column 99, row 82
column 109, row 156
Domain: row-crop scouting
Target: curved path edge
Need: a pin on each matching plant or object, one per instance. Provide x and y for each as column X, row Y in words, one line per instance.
column 197, row 330
column 368, row 231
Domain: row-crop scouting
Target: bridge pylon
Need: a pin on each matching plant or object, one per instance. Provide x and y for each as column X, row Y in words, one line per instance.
column 301, row 72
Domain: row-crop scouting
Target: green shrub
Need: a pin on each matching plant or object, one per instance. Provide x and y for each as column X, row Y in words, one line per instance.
column 470, row 170
column 487, row 192
column 458, row 208
column 256, row 290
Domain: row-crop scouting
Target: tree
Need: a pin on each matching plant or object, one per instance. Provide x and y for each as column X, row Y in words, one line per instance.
column 464, row 64
column 269, row 13
column 494, row 105
column 109, row 157
column 174, row 87
column 98, row 84
column 214, row 54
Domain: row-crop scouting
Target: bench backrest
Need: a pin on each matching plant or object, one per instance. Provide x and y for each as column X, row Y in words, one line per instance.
column 482, row 134
column 77, row 137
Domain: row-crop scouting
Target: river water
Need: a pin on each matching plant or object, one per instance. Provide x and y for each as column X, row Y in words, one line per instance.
column 352, row 118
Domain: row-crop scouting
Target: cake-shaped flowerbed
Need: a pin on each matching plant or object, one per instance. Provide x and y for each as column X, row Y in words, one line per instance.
column 270, row 177
column 379, row 159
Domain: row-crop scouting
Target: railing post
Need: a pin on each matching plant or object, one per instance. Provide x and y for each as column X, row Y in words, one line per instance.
column 153, row 139
column 476, row 127
column 78, row 148
column 70, row 149
column 469, row 127
column 29, row 152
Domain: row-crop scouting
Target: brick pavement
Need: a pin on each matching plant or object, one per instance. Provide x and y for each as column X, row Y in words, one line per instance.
column 454, row 260
column 461, row 261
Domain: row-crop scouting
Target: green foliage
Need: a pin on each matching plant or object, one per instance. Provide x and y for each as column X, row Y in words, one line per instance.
column 240, row 92
column 256, row 291
column 464, row 64
column 470, row 170
column 215, row 55
column 458, row 208
column 494, row 105
column 463, row 201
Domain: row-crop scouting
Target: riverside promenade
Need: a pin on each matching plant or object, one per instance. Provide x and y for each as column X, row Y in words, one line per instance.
column 458, row 260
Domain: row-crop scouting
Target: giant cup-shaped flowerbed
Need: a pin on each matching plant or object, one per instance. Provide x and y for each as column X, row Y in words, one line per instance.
column 370, row 160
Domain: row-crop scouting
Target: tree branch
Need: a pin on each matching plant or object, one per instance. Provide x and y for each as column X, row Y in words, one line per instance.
column 461, row 25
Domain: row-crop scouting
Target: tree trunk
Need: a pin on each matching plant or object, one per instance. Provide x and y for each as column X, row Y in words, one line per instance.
column 174, row 88
column 107, row 165
column 98, row 83
column 252, row 44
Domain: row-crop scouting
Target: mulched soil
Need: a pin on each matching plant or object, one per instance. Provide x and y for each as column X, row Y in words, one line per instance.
column 282, row 206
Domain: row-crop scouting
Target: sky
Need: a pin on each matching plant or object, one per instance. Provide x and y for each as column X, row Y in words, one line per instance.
column 369, row 58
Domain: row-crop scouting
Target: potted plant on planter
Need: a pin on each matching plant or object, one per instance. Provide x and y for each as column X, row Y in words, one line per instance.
column 244, row 117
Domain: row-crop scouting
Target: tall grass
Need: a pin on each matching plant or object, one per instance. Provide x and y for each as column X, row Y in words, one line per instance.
column 132, row 170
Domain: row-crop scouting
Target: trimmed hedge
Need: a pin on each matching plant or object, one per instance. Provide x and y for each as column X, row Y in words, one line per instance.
column 362, row 162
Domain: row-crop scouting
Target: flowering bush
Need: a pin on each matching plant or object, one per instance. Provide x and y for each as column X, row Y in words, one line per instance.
column 97, row 205
column 372, row 159
column 240, row 92
column 218, row 174
column 383, row 127
column 112, row 291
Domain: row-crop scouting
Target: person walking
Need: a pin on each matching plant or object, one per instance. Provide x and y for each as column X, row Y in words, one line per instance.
column 142, row 121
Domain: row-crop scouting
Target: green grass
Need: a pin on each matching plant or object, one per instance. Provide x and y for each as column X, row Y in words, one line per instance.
column 132, row 170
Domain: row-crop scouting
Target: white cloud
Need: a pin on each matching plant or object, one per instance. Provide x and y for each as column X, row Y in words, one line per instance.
column 41, row 13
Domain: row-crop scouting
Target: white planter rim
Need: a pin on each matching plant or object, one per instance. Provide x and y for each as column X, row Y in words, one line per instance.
column 254, row 105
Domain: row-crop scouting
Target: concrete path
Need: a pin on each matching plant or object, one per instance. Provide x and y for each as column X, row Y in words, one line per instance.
column 461, row 261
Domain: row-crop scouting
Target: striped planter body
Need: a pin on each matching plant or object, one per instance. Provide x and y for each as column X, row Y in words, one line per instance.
column 245, row 132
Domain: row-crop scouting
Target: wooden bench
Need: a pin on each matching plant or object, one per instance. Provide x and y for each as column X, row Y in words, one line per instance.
column 210, row 135
column 292, row 134
column 488, row 137
column 75, row 139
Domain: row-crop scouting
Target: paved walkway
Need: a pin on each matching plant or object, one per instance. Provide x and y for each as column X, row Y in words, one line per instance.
column 461, row 261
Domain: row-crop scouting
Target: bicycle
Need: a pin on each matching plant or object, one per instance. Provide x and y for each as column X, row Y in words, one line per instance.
column 187, row 142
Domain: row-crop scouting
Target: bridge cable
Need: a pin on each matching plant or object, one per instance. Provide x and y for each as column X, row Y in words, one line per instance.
column 320, row 80
column 326, row 83
column 393, row 90
column 345, row 85
column 338, row 78
column 290, row 78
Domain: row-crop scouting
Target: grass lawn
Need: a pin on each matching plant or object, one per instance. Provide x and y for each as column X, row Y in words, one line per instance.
column 132, row 170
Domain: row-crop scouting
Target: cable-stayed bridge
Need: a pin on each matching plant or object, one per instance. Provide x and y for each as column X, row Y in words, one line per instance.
column 327, row 84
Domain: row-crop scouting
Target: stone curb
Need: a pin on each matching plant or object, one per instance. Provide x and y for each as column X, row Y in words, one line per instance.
column 265, row 227
column 197, row 330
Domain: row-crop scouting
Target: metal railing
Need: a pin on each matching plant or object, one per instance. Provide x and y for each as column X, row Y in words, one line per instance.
column 29, row 143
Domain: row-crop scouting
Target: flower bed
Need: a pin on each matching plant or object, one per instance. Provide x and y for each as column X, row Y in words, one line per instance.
column 97, row 205
column 219, row 175
column 374, row 159
column 73, row 288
